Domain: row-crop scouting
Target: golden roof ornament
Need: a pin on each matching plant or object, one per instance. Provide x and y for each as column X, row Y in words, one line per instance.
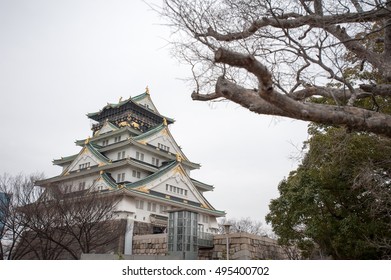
column 178, row 158
column 87, row 140
column 147, row 90
column 164, row 121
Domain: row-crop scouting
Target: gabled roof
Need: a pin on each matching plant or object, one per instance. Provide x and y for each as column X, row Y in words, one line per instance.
column 145, row 97
column 94, row 150
column 106, row 128
column 64, row 160
column 177, row 202
column 201, row 185
column 149, row 132
column 153, row 176
column 106, row 180
column 98, row 137
column 142, row 185
column 134, row 101
column 159, row 129
column 95, row 169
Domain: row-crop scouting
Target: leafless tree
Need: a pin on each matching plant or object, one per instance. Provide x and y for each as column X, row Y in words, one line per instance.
column 16, row 191
column 38, row 224
column 274, row 57
column 71, row 224
column 243, row 225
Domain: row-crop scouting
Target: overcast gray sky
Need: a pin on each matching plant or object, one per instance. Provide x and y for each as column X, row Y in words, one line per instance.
column 62, row 59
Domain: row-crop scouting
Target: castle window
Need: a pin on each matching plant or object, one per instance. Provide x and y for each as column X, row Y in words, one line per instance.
column 140, row 204
column 151, row 207
column 121, row 155
column 105, row 142
column 117, row 139
column 162, row 208
column 163, row 147
column 121, row 177
column 84, row 165
column 155, row 161
column 140, row 156
column 82, row 185
column 136, row 174
column 176, row 190
column 67, row 189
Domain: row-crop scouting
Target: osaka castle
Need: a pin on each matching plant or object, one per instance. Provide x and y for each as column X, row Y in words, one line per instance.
column 131, row 151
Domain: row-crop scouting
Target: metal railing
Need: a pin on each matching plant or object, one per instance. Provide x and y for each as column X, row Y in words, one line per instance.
column 205, row 239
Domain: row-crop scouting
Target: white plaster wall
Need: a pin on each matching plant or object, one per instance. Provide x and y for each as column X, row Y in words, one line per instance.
column 105, row 129
column 126, row 204
column 87, row 156
column 129, row 152
column 74, row 184
column 163, row 139
column 209, row 226
column 145, row 102
column 128, row 170
column 147, row 156
column 142, row 215
column 177, row 182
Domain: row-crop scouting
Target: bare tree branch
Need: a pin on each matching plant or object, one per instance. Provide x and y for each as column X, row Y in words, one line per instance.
column 289, row 52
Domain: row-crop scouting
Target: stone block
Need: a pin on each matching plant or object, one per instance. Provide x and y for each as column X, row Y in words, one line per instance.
column 241, row 255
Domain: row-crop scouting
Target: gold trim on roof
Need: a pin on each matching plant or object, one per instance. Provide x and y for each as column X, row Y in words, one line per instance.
column 204, row 206
column 123, row 124
column 143, row 189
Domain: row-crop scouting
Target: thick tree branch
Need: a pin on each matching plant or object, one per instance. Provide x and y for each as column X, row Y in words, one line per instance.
column 248, row 98
column 313, row 20
column 380, row 90
column 354, row 118
column 249, row 63
column 309, row 49
column 363, row 91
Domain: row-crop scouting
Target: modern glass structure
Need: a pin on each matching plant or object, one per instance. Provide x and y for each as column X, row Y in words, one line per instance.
column 182, row 234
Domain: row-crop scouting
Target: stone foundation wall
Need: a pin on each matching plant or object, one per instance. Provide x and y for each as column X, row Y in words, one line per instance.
column 243, row 246
column 151, row 244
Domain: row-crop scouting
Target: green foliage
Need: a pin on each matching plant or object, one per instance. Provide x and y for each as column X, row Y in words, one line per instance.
column 328, row 202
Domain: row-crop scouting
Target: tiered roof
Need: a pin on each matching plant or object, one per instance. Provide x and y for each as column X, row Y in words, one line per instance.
column 138, row 112
column 145, row 188
column 139, row 119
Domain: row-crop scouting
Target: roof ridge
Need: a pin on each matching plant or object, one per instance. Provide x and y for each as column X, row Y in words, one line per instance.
column 158, row 173
column 108, row 179
column 96, row 152
column 149, row 132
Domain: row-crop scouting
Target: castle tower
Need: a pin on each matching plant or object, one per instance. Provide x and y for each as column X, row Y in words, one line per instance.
column 132, row 151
